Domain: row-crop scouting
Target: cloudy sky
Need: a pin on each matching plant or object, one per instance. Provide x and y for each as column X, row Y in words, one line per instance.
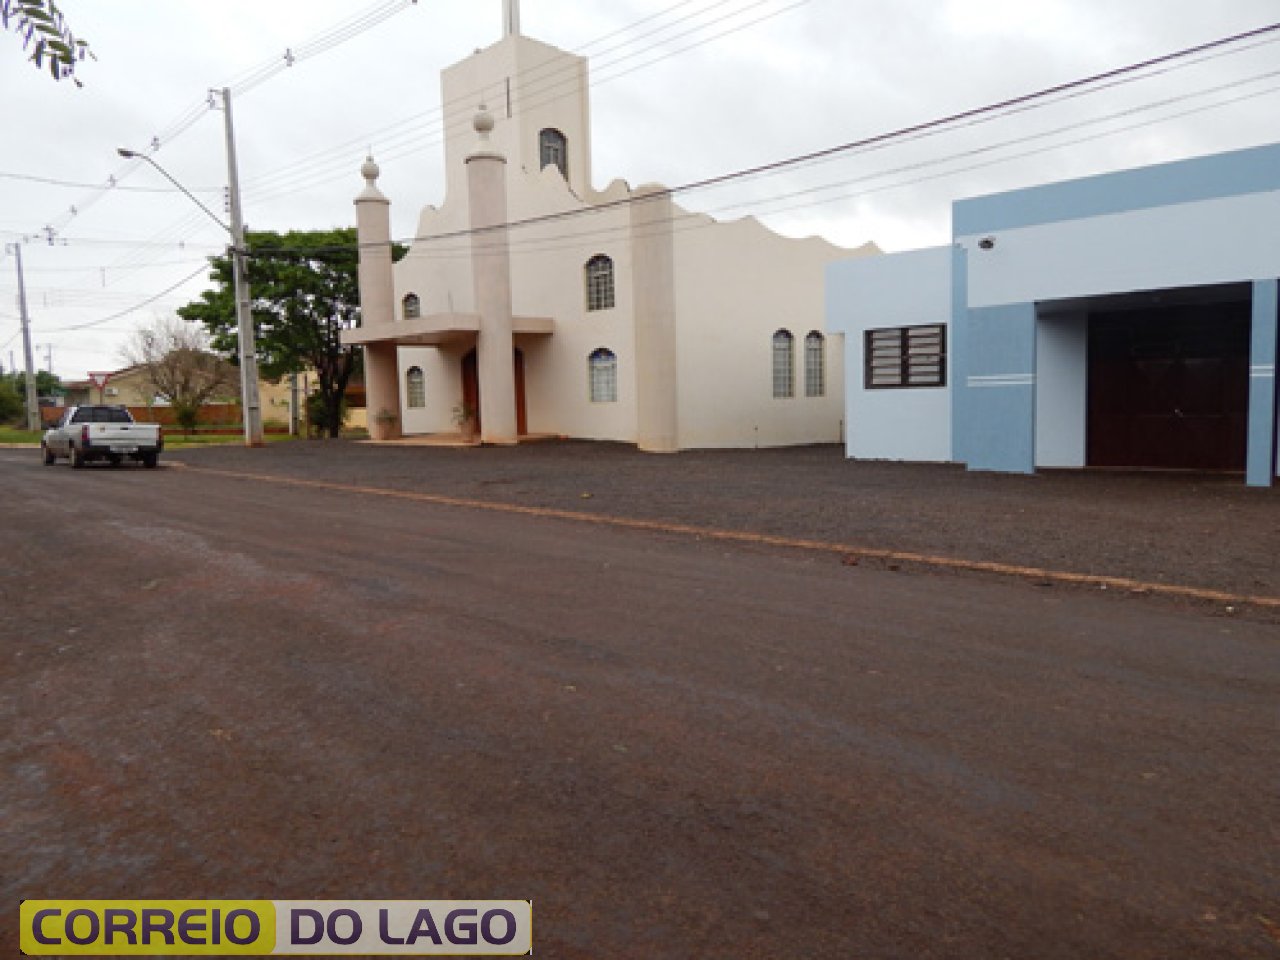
column 680, row 91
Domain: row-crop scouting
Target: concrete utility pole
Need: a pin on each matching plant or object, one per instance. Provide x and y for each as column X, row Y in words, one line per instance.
column 244, row 315
column 33, row 402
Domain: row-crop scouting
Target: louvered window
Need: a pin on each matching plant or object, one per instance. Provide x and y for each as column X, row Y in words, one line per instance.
column 903, row 357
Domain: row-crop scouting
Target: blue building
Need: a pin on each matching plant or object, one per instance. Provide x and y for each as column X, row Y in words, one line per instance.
column 1123, row 320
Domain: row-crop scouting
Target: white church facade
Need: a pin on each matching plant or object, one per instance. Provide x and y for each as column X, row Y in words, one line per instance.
column 532, row 304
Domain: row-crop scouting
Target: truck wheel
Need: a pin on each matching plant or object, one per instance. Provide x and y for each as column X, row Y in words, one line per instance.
column 77, row 458
column 150, row 460
column 115, row 459
column 48, row 455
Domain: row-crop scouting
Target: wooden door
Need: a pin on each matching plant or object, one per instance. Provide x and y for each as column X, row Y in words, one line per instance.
column 1170, row 387
column 471, row 385
column 522, row 414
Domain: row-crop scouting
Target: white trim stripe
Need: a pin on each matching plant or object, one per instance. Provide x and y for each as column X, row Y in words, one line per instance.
column 1262, row 370
column 1003, row 380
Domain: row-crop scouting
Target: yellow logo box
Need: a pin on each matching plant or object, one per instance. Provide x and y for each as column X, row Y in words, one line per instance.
column 140, row 928
column 259, row 928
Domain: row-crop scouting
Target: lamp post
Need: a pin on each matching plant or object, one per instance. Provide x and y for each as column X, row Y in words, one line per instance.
column 248, row 349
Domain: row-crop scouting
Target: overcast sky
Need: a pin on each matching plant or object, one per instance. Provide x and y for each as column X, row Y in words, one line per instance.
column 681, row 91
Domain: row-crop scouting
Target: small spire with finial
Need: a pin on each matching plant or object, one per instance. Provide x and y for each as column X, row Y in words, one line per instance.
column 483, row 124
column 510, row 18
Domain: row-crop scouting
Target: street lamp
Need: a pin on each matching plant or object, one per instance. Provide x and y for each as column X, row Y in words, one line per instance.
column 244, row 318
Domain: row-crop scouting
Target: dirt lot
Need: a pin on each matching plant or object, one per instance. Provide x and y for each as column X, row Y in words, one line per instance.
column 1195, row 530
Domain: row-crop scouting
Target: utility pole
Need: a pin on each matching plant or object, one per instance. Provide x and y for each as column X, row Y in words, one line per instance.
column 244, row 315
column 33, row 402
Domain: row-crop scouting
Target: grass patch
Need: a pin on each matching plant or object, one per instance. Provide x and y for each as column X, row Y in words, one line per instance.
column 176, row 441
column 172, row 439
column 14, row 435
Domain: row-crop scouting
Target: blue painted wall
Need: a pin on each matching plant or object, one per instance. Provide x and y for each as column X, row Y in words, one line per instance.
column 957, row 346
column 1261, row 470
column 1240, row 172
column 997, row 431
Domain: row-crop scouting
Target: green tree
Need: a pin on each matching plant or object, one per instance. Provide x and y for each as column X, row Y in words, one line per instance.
column 305, row 293
column 44, row 31
column 47, row 385
column 11, row 402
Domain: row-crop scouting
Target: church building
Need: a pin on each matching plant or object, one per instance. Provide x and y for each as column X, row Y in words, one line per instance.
column 530, row 303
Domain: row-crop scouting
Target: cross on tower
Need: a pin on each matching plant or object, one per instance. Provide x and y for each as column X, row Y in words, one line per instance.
column 510, row 18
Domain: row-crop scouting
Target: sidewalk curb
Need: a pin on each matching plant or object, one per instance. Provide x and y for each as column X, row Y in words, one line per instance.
column 846, row 550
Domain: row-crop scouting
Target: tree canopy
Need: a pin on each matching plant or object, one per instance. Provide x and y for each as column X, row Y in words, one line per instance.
column 44, row 31
column 304, row 292
column 13, row 392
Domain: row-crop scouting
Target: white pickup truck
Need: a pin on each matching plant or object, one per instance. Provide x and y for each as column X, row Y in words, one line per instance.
column 102, row 433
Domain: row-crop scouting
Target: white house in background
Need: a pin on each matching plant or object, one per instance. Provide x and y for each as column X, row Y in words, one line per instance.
column 612, row 315
column 1124, row 320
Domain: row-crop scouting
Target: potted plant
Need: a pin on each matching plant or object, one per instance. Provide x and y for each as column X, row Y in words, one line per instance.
column 386, row 420
column 464, row 416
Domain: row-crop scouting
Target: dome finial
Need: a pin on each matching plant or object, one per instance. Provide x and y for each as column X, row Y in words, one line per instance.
column 483, row 123
column 370, row 170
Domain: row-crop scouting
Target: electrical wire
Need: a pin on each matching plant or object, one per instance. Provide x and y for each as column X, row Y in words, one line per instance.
column 685, row 220
column 326, row 41
column 340, row 152
column 31, row 178
column 880, row 138
column 133, row 309
column 459, row 111
column 397, row 4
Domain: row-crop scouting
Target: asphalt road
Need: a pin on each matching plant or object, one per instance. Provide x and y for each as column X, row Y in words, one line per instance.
column 675, row 748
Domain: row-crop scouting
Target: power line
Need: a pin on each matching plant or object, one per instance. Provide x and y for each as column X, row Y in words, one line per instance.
column 127, row 263
column 31, row 178
column 133, row 309
column 687, row 220
column 335, row 36
column 534, row 93
column 340, row 152
column 881, row 138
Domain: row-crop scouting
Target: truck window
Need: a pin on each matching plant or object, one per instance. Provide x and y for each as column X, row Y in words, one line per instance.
column 102, row 415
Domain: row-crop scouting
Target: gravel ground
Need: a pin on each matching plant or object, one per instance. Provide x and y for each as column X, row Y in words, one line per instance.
column 1196, row 530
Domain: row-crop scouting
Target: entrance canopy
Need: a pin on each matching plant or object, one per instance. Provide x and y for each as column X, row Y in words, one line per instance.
column 437, row 329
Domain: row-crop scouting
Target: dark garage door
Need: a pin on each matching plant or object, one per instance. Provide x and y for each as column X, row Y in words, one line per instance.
column 1169, row 387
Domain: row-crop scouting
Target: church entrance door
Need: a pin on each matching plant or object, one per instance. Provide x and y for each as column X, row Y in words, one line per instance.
column 471, row 388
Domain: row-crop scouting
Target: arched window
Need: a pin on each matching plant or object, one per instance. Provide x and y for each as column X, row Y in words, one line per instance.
column 553, row 149
column 602, row 370
column 415, row 387
column 600, row 283
column 784, row 364
column 412, row 306
column 815, row 365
